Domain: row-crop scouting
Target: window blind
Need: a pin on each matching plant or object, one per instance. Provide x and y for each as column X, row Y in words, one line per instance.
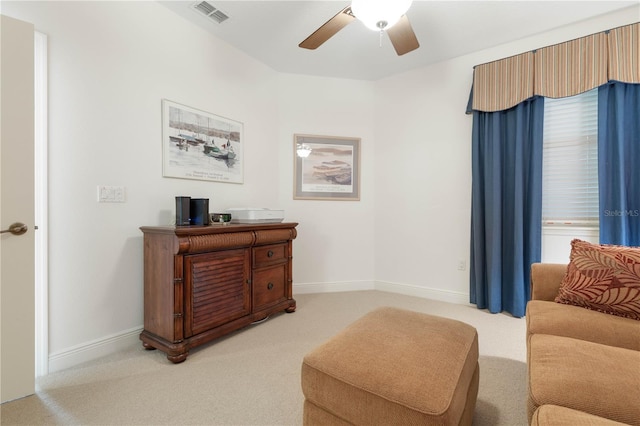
column 570, row 160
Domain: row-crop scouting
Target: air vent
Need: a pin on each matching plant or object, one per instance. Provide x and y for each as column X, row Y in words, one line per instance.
column 210, row 11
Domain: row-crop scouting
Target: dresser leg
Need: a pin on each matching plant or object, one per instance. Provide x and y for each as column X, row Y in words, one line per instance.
column 148, row 346
column 177, row 359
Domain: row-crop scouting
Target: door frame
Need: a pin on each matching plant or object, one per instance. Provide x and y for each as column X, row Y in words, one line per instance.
column 41, row 203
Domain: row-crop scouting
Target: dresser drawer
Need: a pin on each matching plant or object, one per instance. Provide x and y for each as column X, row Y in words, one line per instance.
column 269, row 255
column 269, row 286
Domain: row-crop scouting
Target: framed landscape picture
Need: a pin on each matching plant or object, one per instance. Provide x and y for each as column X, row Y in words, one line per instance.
column 200, row 145
column 326, row 168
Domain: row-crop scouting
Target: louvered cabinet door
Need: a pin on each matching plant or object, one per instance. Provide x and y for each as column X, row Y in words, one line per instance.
column 217, row 289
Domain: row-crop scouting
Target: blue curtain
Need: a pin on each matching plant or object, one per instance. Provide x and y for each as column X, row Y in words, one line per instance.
column 619, row 163
column 506, row 212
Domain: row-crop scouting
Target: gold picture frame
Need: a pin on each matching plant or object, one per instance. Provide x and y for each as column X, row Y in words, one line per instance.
column 326, row 168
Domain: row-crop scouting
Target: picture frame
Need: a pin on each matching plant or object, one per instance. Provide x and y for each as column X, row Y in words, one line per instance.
column 330, row 170
column 200, row 145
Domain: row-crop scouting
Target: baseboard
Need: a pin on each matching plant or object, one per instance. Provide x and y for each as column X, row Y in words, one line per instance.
column 332, row 287
column 409, row 290
column 92, row 350
column 456, row 297
column 85, row 352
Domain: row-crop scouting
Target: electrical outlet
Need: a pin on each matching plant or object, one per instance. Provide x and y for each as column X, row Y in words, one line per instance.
column 111, row 194
column 462, row 265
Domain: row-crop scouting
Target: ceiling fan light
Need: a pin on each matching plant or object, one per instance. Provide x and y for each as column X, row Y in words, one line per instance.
column 379, row 14
column 303, row 150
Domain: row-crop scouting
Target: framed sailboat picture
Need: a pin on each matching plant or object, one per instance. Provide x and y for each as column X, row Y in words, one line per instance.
column 200, row 145
column 326, row 168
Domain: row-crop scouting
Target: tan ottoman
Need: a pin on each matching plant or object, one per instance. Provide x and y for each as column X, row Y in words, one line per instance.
column 393, row 366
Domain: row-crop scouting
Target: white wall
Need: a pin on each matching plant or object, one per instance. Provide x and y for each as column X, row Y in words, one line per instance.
column 111, row 63
column 334, row 248
column 556, row 241
column 423, row 179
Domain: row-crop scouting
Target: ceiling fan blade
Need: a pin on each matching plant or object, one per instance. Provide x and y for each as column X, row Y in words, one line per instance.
column 402, row 36
column 328, row 29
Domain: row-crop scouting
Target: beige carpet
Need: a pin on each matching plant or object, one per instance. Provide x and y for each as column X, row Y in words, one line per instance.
column 252, row 377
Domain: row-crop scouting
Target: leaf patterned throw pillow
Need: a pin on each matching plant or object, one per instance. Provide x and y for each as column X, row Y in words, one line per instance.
column 604, row 278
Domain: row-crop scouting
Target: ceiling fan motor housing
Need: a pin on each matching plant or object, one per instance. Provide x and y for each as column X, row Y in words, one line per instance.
column 379, row 14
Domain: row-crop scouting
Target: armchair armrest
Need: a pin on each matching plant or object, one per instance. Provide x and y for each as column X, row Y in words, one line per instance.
column 546, row 279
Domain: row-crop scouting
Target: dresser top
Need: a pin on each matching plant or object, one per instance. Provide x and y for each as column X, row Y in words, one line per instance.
column 215, row 228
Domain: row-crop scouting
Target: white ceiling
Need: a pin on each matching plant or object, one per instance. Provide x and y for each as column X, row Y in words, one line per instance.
column 270, row 31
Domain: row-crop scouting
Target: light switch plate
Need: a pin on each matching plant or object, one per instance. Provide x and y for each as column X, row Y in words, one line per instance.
column 111, row 194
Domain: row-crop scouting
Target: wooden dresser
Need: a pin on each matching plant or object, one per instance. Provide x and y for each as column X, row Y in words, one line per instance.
column 201, row 282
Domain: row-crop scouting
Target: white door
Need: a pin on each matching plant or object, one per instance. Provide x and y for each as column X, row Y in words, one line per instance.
column 17, row 287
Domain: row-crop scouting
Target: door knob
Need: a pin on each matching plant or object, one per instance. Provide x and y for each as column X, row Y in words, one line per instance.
column 16, row 229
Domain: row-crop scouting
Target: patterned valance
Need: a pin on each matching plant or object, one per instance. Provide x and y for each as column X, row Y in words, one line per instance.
column 561, row 70
column 624, row 54
column 570, row 68
column 503, row 83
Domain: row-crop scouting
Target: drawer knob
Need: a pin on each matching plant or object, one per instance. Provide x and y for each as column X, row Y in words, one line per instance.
column 270, row 253
column 269, row 286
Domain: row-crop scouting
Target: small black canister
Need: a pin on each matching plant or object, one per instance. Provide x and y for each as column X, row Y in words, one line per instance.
column 199, row 211
column 183, row 211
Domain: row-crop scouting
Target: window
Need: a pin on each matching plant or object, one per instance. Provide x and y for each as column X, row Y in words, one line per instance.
column 570, row 161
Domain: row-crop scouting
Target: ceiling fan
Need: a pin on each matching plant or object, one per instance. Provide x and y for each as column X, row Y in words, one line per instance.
column 379, row 15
